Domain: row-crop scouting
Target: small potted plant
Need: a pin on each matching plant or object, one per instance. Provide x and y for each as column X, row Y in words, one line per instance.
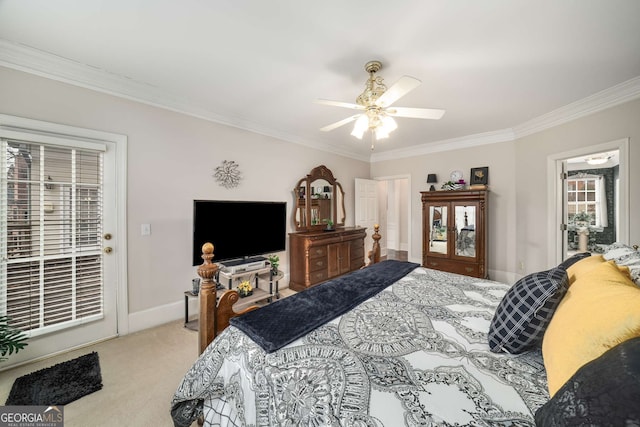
column 274, row 260
column 581, row 219
column 329, row 223
column 11, row 339
column 245, row 289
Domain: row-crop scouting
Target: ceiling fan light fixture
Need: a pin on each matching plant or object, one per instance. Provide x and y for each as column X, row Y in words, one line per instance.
column 358, row 134
column 388, row 123
column 361, row 125
column 374, row 104
column 381, row 133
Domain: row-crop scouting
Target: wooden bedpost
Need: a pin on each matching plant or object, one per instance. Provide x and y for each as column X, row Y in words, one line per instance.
column 207, row 322
column 374, row 253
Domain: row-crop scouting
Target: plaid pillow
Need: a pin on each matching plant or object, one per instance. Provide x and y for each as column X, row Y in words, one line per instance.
column 526, row 310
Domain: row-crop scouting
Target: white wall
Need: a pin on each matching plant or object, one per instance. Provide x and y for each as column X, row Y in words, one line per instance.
column 172, row 157
column 171, row 160
column 530, row 159
column 517, row 180
column 501, row 207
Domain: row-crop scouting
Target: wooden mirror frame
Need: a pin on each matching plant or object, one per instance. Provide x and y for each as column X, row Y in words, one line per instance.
column 302, row 214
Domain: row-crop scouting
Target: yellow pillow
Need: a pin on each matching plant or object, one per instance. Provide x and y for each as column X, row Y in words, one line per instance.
column 585, row 265
column 600, row 310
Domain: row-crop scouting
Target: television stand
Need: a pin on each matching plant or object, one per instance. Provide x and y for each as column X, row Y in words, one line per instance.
column 227, row 279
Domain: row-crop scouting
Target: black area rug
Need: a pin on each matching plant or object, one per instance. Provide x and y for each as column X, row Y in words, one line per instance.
column 58, row 385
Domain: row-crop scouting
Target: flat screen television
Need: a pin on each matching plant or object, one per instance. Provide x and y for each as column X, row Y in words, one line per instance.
column 238, row 229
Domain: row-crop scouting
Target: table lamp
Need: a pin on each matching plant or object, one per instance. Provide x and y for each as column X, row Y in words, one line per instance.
column 432, row 179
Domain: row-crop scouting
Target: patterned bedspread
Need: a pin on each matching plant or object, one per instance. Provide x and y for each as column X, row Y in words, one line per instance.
column 415, row 354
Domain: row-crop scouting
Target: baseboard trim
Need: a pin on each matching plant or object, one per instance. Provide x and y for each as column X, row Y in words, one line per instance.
column 7, row 365
column 504, row 276
column 160, row 315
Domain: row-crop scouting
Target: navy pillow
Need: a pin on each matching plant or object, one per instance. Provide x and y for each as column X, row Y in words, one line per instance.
column 526, row 310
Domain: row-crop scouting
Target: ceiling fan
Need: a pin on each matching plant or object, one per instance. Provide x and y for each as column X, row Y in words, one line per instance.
column 375, row 106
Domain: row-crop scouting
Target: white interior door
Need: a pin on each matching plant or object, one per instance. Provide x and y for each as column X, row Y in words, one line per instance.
column 366, row 208
column 58, row 270
column 393, row 215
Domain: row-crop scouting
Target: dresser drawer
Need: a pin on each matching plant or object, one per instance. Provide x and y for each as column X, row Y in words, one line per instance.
column 318, row 251
column 357, row 251
column 316, row 264
column 318, row 276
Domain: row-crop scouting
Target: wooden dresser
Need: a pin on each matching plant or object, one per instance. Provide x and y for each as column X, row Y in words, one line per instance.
column 316, row 256
column 454, row 231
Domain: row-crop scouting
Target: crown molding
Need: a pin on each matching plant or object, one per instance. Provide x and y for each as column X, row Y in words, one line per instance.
column 53, row 67
column 44, row 64
column 475, row 140
column 599, row 101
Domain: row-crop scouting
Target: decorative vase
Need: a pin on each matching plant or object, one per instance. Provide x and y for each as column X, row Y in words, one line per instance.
column 195, row 286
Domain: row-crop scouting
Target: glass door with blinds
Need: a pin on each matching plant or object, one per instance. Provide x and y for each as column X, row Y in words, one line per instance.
column 55, row 270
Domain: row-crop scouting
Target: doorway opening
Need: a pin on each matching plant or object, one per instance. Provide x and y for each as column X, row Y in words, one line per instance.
column 394, row 210
column 589, row 199
column 386, row 201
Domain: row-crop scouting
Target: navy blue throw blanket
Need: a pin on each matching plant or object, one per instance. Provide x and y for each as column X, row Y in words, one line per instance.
column 278, row 324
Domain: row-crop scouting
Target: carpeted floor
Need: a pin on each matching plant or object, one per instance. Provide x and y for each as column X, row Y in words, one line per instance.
column 140, row 373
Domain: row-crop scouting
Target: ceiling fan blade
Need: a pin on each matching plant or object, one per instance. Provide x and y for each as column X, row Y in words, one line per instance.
column 399, row 89
column 339, row 104
column 416, row 113
column 342, row 122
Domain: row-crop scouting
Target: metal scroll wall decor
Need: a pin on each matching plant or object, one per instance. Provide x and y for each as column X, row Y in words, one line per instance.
column 228, row 174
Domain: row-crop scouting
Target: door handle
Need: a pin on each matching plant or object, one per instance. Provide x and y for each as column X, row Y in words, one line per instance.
column 108, row 250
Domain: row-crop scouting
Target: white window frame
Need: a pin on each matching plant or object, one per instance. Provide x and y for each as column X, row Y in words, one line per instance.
column 19, row 127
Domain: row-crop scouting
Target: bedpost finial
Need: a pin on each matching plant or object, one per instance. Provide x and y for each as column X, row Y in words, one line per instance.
column 207, row 248
column 208, row 269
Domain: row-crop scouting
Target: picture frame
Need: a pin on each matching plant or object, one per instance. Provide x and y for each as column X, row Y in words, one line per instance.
column 479, row 176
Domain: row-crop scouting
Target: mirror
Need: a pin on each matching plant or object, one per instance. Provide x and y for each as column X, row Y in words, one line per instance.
column 319, row 201
column 465, row 231
column 438, row 233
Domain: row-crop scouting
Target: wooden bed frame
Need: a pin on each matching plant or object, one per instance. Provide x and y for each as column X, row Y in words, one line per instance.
column 214, row 314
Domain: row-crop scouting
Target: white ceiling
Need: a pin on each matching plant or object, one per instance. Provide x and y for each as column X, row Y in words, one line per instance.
column 498, row 67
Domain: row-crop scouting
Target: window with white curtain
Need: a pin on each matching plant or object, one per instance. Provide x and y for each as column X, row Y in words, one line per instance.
column 586, row 193
column 50, row 234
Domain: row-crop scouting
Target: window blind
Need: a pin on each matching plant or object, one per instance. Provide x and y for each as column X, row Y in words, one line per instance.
column 51, row 271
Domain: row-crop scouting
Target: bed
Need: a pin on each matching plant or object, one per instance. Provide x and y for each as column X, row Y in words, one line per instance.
column 412, row 351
